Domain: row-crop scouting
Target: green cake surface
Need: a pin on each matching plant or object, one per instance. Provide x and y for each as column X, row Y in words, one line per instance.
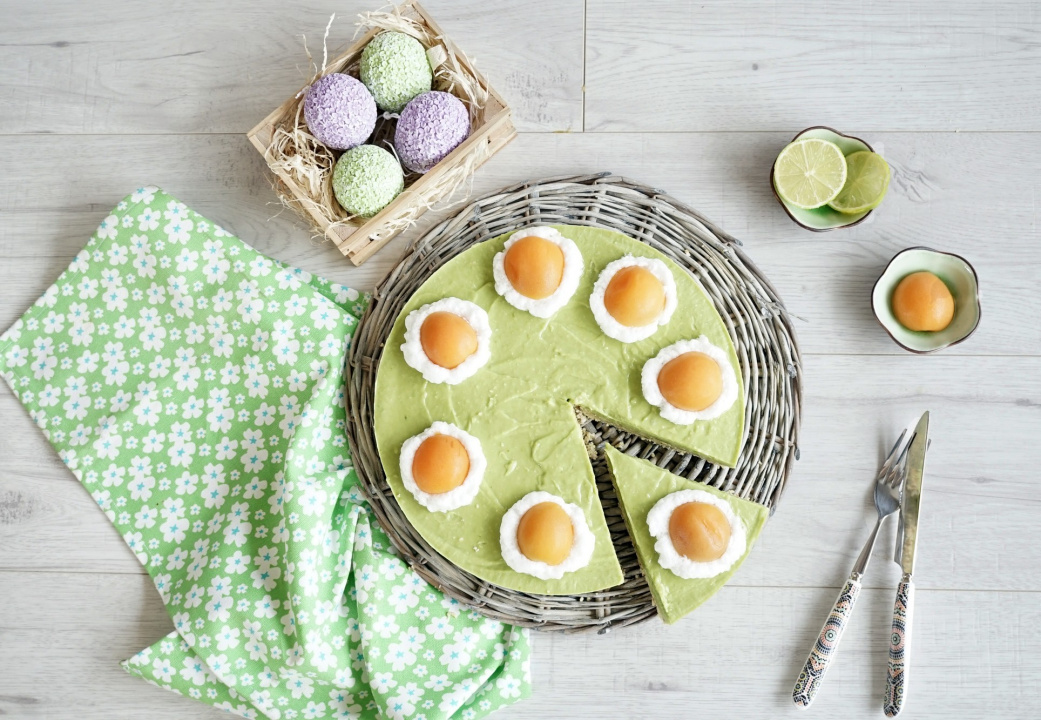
column 521, row 405
column 640, row 484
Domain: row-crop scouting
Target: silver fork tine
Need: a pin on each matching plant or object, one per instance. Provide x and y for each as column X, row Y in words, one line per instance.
column 896, row 476
column 892, row 454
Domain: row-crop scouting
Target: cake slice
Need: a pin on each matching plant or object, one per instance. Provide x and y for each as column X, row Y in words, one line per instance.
column 641, row 484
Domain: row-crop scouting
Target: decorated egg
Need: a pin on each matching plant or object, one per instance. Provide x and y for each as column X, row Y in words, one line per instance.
column 339, row 111
column 366, row 178
column 394, row 67
column 690, row 380
column 698, row 535
column 633, row 297
column 442, row 467
column 544, row 536
column 431, row 126
column 538, row 270
column 447, row 341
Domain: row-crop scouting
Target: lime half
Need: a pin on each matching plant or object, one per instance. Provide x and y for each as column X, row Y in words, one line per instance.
column 810, row 173
column 867, row 180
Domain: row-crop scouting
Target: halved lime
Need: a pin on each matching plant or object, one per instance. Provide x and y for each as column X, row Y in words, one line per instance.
column 810, row 173
column 867, row 179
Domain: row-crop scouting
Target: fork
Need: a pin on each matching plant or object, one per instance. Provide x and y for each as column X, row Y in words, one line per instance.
column 888, row 484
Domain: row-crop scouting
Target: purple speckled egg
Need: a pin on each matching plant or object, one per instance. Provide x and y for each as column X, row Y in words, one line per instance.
column 431, row 126
column 339, row 111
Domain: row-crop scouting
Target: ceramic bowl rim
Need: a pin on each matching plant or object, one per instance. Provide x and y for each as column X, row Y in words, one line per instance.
column 979, row 303
column 785, row 206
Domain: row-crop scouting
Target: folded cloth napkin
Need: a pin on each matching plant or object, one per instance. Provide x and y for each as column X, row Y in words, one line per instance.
column 194, row 387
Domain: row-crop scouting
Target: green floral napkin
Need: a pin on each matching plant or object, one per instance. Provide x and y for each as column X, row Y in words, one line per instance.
column 194, row 387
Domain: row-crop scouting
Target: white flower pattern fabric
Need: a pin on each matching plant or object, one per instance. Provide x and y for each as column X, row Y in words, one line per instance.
column 194, row 387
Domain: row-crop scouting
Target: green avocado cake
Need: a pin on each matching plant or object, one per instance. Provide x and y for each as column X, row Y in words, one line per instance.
column 641, row 486
column 482, row 373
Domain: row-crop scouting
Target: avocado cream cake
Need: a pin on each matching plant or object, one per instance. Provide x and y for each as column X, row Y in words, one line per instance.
column 686, row 554
column 477, row 389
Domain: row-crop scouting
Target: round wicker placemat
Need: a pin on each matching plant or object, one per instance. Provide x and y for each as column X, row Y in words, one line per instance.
column 748, row 304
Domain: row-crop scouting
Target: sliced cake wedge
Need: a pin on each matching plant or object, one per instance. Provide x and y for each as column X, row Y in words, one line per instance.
column 643, row 487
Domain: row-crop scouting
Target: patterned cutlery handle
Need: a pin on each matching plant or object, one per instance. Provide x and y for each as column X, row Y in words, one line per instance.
column 826, row 645
column 899, row 643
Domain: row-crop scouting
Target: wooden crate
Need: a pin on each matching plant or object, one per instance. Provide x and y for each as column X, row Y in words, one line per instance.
column 358, row 239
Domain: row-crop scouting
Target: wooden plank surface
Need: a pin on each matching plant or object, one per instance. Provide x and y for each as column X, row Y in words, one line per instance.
column 74, row 628
column 693, row 98
column 980, row 499
column 765, row 65
column 989, row 216
column 126, row 67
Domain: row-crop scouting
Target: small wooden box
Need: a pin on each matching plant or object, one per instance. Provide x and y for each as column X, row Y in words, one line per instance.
column 358, row 238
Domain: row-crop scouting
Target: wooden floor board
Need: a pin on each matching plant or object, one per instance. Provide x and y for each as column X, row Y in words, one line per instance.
column 981, row 495
column 764, row 65
column 124, row 67
column 989, row 217
column 692, row 98
column 976, row 654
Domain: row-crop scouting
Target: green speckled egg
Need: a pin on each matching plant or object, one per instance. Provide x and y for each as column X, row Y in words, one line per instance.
column 366, row 179
column 394, row 67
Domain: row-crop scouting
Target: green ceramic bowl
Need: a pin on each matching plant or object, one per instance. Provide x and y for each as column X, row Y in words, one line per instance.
column 824, row 218
column 957, row 274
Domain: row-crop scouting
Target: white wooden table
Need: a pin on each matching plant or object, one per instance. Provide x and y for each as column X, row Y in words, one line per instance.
column 694, row 98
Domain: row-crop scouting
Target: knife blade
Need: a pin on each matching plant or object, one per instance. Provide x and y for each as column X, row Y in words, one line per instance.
column 911, row 500
column 906, row 547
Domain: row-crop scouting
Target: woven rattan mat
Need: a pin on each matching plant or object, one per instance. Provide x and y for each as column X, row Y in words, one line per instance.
column 749, row 305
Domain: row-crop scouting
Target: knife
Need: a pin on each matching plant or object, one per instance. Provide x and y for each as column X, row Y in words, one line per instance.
column 906, row 545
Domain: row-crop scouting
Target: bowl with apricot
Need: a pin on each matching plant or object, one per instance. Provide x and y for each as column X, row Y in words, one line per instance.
column 927, row 300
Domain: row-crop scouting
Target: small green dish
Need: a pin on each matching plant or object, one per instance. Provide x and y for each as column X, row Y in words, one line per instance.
column 957, row 274
column 824, row 218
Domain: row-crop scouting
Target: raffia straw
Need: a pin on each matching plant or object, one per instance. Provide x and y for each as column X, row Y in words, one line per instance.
column 296, row 153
